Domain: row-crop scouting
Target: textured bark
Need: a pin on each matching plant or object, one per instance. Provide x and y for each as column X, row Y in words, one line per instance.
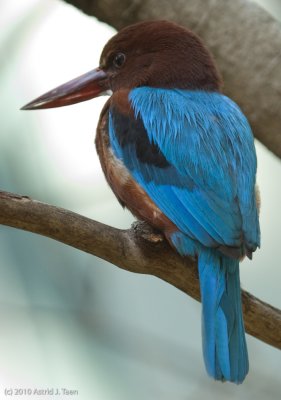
column 244, row 39
column 138, row 249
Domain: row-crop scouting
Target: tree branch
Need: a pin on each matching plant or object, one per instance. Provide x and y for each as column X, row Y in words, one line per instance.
column 138, row 249
column 244, row 39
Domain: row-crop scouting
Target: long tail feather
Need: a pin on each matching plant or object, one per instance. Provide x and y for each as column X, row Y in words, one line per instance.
column 223, row 334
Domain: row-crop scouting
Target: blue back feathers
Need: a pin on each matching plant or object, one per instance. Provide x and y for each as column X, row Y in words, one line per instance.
column 209, row 146
column 193, row 153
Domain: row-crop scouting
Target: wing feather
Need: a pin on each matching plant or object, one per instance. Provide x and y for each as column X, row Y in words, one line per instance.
column 193, row 153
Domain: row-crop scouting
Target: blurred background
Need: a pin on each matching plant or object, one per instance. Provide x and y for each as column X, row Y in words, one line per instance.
column 68, row 319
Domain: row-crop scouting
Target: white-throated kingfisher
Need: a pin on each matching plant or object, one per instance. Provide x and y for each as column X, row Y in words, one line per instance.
column 180, row 155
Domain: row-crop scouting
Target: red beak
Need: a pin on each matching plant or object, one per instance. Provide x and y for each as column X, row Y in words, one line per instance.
column 85, row 87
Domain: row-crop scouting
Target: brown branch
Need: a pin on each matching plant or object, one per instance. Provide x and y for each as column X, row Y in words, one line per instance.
column 244, row 39
column 138, row 249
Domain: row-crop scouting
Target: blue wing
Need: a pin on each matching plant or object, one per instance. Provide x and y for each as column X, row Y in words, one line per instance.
column 193, row 153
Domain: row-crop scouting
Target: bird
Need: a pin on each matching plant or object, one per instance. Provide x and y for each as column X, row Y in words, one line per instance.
column 180, row 155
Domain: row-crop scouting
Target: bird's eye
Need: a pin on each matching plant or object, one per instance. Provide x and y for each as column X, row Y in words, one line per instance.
column 119, row 60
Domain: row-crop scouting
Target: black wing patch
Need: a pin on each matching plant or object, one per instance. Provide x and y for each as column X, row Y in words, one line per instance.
column 130, row 131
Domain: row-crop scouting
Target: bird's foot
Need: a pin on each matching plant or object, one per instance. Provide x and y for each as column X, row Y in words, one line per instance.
column 147, row 232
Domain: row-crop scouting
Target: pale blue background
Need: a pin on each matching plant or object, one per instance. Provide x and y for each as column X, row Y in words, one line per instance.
column 71, row 320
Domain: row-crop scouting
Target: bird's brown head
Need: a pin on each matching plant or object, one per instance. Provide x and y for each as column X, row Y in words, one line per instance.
column 151, row 53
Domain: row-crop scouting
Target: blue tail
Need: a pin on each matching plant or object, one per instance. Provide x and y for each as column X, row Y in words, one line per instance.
column 223, row 335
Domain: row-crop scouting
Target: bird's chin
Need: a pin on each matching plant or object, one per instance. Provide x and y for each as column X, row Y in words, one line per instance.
column 107, row 92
